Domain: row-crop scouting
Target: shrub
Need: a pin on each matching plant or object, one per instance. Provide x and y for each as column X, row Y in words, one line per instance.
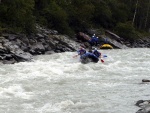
column 126, row 31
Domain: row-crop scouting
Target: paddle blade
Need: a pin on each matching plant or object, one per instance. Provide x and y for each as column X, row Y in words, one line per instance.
column 102, row 60
column 104, row 55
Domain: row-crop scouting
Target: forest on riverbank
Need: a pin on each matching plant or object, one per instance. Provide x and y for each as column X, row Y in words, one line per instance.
column 127, row 18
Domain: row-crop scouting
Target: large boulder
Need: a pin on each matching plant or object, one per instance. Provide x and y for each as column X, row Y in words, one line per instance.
column 144, row 105
column 20, row 47
column 16, row 52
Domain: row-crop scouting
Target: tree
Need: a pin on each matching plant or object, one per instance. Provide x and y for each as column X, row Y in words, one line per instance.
column 135, row 13
column 17, row 15
column 147, row 14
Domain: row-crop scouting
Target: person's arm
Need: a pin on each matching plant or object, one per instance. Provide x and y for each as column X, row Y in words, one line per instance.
column 101, row 58
column 75, row 55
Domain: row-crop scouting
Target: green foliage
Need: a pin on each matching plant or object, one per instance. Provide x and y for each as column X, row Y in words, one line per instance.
column 79, row 13
column 56, row 17
column 126, row 30
column 119, row 11
column 102, row 14
column 17, row 15
column 67, row 16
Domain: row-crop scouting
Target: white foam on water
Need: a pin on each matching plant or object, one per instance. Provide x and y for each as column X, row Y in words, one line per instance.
column 59, row 83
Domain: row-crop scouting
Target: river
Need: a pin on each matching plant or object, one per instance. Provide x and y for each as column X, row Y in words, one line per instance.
column 59, row 83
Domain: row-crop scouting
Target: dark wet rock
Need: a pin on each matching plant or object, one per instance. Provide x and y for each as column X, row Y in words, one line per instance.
column 23, row 56
column 10, row 36
column 12, row 61
column 139, row 102
column 145, row 80
column 113, row 39
column 20, row 47
column 37, row 48
column 2, row 49
column 1, row 39
column 49, row 52
column 15, row 52
column 144, row 106
column 40, row 35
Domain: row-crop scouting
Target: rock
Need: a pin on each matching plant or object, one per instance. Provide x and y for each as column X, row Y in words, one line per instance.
column 1, row 39
column 145, row 80
column 40, row 35
column 10, row 36
column 49, row 52
column 23, row 56
column 144, row 105
column 37, row 48
column 18, row 54
column 12, row 61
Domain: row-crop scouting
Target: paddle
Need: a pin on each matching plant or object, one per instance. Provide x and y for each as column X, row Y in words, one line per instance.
column 75, row 56
column 102, row 60
column 103, row 57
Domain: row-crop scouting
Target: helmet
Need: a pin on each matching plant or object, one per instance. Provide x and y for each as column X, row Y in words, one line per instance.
column 93, row 35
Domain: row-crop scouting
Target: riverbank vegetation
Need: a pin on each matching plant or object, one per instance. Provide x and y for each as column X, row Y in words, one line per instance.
column 127, row 18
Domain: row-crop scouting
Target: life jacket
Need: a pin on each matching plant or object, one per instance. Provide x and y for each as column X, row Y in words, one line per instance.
column 91, row 56
column 81, row 51
column 97, row 53
column 94, row 39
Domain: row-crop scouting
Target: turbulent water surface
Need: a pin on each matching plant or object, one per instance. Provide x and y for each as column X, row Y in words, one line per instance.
column 59, row 83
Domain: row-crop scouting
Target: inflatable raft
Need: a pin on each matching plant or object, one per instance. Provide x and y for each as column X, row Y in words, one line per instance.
column 106, row 46
column 89, row 57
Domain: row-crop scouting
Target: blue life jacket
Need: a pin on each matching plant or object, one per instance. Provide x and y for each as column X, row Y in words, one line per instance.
column 93, row 41
column 81, row 51
column 97, row 53
column 91, row 56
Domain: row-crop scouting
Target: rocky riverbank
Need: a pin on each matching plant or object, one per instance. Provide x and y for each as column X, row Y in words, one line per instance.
column 114, row 40
column 20, row 47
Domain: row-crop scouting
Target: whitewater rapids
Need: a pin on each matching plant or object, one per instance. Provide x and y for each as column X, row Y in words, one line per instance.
column 59, row 83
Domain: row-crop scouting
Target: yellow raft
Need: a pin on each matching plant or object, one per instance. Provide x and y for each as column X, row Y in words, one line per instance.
column 106, row 46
